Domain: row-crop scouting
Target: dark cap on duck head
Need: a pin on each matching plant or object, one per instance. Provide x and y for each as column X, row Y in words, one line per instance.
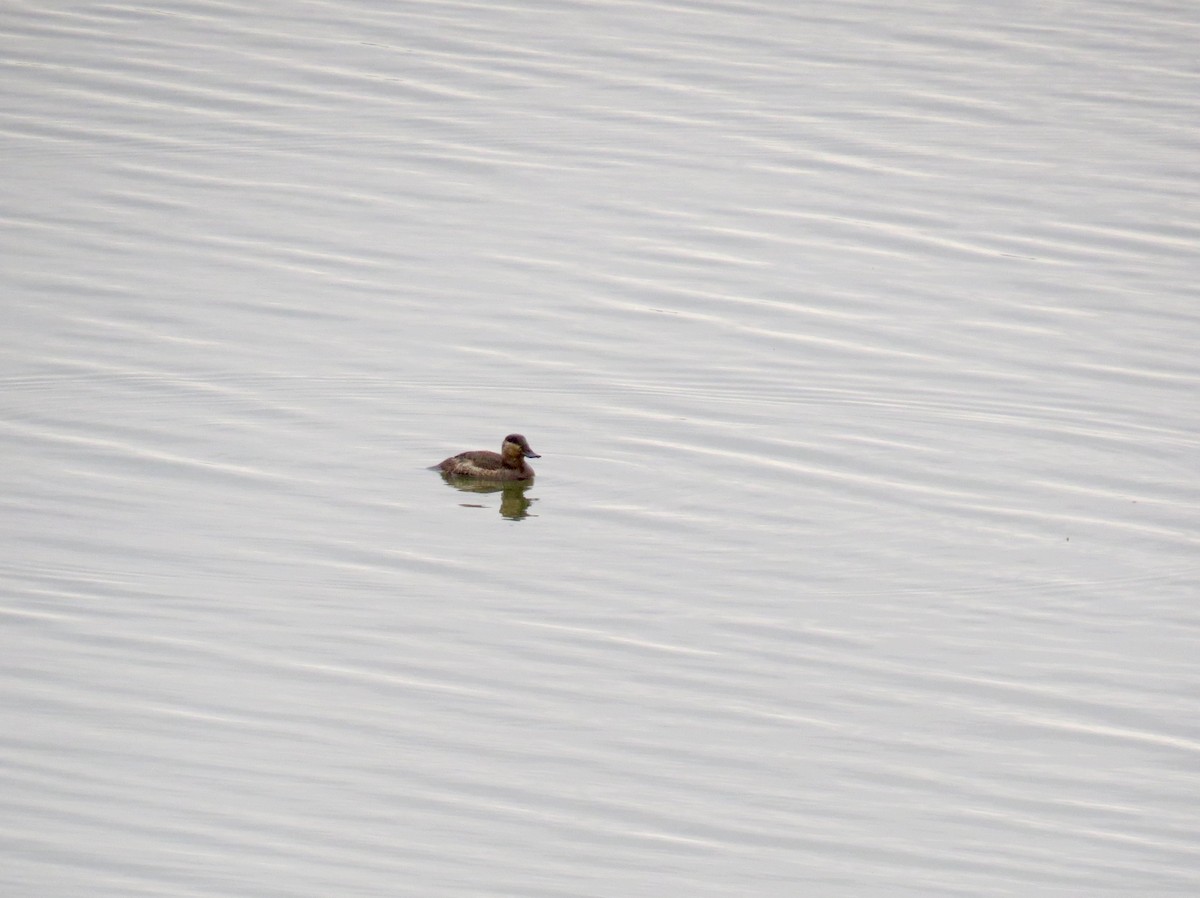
column 519, row 440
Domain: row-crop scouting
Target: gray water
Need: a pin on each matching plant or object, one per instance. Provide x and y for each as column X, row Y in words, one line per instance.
column 861, row 346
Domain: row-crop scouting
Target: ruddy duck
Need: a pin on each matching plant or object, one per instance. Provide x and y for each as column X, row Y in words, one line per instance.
column 507, row 464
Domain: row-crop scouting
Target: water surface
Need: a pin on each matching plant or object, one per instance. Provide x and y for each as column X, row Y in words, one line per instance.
column 860, row 345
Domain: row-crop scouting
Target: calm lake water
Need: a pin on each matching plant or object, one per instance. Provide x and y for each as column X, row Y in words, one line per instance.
column 861, row 346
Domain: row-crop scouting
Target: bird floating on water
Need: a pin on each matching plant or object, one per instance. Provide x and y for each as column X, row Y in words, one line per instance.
column 507, row 464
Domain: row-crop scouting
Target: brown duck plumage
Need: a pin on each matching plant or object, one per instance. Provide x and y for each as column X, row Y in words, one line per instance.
column 507, row 464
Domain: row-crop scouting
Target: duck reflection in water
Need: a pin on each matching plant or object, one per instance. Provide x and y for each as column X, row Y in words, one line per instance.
column 514, row 504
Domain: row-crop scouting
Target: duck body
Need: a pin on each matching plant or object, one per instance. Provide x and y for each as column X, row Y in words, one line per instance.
column 507, row 464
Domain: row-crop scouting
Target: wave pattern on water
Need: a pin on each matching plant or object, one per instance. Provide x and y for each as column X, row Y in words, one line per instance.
column 861, row 348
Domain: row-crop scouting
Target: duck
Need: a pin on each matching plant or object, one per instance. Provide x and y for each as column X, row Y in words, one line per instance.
column 507, row 464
